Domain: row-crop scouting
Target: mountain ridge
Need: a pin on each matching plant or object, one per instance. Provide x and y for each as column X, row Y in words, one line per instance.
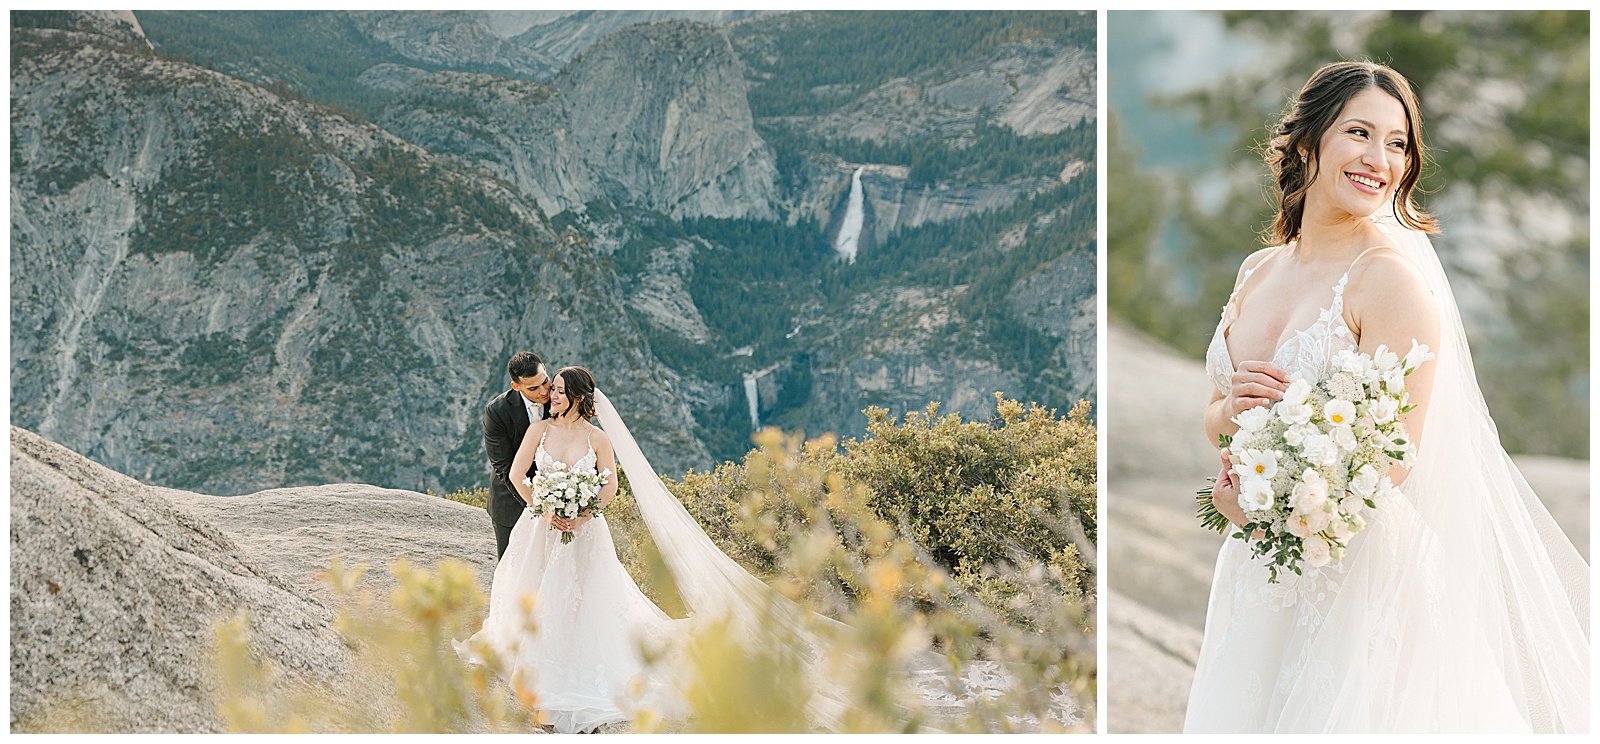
column 347, row 296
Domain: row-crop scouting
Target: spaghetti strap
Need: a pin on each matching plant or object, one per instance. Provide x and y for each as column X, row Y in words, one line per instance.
column 1337, row 307
column 1360, row 256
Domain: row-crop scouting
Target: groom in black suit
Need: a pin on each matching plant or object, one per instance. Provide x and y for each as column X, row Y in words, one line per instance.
column 505, row 420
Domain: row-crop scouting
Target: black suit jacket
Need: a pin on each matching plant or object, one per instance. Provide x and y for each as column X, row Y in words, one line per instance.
column 505, row 420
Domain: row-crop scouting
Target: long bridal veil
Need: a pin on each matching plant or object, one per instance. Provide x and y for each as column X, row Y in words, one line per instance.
column 1509, row 606
column 715, row 587
column 711, row 584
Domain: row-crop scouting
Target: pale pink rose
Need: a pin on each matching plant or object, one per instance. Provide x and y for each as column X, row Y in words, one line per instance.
column 1318, row 520
column 1297, row 525
column 1310, row 492
column 1316, row 550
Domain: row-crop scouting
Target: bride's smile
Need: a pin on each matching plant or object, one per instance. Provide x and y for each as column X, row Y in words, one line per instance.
column 1367, row 145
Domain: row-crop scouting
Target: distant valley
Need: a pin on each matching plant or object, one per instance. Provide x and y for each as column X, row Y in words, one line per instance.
column 255, row 250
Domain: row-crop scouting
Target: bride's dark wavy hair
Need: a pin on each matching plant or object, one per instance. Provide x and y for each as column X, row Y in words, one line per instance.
column 580, row 389
column 1311, row 113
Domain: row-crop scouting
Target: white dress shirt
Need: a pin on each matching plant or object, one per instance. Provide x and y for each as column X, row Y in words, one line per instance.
column 535, row 411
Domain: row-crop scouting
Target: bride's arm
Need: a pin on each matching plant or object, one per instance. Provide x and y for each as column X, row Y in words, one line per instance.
column 524, row 460
column 605, row 458
column 1390, row 305
column 1218, row 418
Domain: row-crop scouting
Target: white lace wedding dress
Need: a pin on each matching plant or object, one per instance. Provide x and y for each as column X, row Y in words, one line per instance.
column 588, row 618
column 1456, row 609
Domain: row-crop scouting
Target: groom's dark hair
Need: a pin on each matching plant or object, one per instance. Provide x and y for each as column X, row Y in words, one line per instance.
column 524, row 365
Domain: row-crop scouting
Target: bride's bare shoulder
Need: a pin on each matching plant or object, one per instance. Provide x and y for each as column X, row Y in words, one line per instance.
column 599, row 439
column 1252, row 261
column 536, row 429
column 1385, row 284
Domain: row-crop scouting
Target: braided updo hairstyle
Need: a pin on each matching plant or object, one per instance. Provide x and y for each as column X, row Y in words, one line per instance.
column 1310, row 115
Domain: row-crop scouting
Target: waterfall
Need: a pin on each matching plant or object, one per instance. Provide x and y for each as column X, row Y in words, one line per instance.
column 750, row 397
column 854, row 215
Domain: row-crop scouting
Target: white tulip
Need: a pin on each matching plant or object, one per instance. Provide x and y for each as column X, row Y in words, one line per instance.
column 1384, row 359
column 1298, row 392
column 1365, row 482
column 1417, row 355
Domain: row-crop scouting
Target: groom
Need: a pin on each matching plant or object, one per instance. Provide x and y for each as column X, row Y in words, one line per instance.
column 505, row 420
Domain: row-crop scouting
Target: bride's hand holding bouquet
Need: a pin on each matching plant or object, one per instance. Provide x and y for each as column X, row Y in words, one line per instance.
column 1300, row 475
column 571, row 498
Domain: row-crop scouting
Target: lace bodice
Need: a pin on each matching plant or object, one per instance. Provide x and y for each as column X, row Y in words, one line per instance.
column 1308, row 353
column 585, row 464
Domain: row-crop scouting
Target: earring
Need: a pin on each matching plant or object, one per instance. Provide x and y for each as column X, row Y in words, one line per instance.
column 1302, row 158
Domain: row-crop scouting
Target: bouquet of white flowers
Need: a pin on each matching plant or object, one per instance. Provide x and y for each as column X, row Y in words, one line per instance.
column 566, row 493
column 1311, row 465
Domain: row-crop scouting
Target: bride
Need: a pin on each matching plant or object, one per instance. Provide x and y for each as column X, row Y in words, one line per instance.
column 1462, row 606
column 578, row 650
column 587, row 615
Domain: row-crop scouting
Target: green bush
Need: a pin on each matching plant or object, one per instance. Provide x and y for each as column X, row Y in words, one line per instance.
column 984, row 500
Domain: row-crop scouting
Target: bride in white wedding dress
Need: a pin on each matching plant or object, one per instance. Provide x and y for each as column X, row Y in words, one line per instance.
column 1462, row 606
column 588, row 617
column 578, row 651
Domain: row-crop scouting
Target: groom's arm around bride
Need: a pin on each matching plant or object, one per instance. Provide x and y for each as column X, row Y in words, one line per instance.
column 505, row 420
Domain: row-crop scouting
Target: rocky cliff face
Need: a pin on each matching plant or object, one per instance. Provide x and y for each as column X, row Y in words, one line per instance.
column 1059, row 301
column 895, row 203
column 114, row 591
column 1033, row 87
column 902, row 346
column 563, row 34
column 895, row 349
column 216, row 287
column 654, row 116
column 453, row 38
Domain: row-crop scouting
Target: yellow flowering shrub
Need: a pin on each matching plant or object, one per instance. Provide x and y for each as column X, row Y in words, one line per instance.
column 937, row 543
